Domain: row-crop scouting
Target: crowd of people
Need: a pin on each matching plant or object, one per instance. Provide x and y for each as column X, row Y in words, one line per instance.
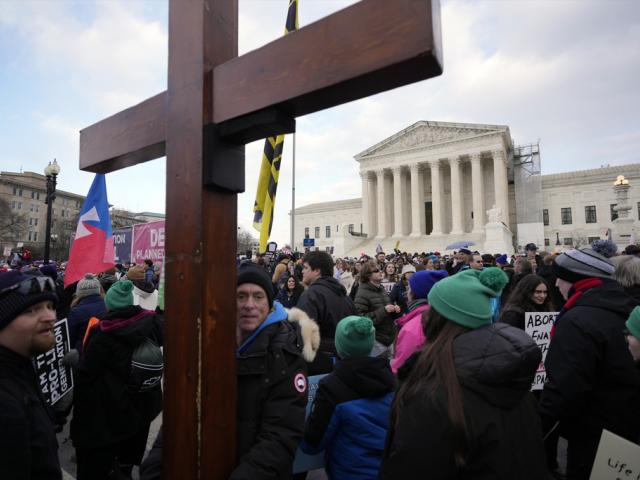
column 426, row 365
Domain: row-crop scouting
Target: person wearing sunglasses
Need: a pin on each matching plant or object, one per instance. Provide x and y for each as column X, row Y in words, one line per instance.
column 28, row 446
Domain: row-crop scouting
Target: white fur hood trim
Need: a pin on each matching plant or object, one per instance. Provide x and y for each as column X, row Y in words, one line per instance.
column 309, row 331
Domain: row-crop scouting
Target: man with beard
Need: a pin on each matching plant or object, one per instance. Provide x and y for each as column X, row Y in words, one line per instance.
column 326, row 302
column 28, row 446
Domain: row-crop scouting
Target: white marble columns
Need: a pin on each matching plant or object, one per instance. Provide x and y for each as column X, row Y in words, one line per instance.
column 397, row 202
column 501, row 184
column 398, row 214
column 456, row 196
column 477, row 187
column 436, row 198
column 382, row 204
column 417, row 201
column 368, row 216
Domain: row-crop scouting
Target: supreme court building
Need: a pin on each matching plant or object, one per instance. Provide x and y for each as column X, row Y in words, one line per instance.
column 435, row 183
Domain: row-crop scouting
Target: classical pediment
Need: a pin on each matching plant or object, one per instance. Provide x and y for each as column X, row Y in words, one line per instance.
column 424, row 134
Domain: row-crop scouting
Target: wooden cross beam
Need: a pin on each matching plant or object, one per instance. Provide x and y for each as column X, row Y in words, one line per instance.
column 367, row 48
column 215, row 102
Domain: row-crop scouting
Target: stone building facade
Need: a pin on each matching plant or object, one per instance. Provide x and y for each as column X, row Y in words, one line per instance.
column 25, row 194
column 435, row 183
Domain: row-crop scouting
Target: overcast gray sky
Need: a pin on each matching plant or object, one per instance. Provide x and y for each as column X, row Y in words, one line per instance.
column 562, row 72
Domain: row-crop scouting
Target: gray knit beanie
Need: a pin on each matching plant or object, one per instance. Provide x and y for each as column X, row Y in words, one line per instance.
column 576, row 265
column 89, row 285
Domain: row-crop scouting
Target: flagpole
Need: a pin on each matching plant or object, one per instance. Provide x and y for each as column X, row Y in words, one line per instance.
column 293, row 195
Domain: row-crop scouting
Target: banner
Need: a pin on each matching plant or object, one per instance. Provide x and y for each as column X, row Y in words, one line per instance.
column 617, row 458
column 122, row 238
column 303, row 462
column 538, row 326
column 54, row 378
column 148, row 242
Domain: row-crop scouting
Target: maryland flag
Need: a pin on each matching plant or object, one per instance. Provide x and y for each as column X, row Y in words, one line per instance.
column 270, row 169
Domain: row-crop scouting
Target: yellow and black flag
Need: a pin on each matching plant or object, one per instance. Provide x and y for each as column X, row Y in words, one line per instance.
column 270, row 169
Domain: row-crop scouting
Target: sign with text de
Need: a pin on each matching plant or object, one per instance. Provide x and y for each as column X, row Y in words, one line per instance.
column 54, row 378
column 148, row 242
column 538, row 326
column 616, row 459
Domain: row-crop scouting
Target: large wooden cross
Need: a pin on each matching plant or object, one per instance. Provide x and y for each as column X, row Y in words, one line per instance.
column 215, row 103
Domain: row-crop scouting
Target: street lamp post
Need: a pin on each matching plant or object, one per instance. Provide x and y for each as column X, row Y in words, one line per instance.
column 51, row 172
column 558, row 238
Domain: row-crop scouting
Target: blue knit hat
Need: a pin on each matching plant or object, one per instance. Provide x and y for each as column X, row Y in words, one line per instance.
column 422, row 282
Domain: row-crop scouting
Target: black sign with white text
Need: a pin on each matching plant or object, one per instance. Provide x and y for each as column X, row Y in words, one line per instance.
column 54, row 378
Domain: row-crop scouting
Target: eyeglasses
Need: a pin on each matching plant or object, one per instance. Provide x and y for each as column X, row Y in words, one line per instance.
column 377, row 270
column 31, row 286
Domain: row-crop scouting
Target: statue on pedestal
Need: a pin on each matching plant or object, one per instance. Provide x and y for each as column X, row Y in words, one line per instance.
column 494, row 215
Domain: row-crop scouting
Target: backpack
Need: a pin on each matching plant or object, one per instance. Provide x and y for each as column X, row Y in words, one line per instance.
column 146, row 366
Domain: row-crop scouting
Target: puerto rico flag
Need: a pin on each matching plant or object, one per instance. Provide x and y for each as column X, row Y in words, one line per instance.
column 92, row 249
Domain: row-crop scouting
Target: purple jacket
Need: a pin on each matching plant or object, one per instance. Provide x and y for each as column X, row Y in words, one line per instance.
column 411, row 337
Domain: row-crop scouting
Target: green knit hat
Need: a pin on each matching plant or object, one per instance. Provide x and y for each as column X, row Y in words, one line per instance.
column 633, row 322
column 120, row 295
column 354, row 337
column 464, row 298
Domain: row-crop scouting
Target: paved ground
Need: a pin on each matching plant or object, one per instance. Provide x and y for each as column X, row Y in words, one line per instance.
column 67, row 454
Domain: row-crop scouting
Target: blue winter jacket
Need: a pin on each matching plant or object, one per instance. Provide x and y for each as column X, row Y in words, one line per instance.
column 79, row 315
column 350, row 418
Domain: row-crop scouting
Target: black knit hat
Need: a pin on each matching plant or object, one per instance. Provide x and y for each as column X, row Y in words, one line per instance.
column 249, row 273
column 12, row 302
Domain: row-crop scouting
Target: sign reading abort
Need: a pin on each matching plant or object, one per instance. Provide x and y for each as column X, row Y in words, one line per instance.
column 54, row 378
column 538, row 326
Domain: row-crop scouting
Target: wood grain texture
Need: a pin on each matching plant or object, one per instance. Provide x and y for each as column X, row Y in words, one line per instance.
column 367, row 48
column 199, row 416
column 133, row 136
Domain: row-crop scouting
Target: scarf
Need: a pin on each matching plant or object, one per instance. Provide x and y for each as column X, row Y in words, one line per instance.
column 576, row 291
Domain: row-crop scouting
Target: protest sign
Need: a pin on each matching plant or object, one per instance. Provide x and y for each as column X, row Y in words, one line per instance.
column 538, row 326
column 616, row 459
column 302, row 461
column 54, row 378
column 122, row 238
column 148, row 242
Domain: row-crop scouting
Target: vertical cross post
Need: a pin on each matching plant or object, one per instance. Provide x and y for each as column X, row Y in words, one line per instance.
column 199, row 421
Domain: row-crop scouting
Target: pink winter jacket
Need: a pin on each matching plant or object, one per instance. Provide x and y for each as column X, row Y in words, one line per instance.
column 411, row 338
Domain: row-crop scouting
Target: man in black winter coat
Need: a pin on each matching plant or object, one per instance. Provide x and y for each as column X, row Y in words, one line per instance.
column 273, row 346
column 28, row 446
column 592, row 383
column 325, row 301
